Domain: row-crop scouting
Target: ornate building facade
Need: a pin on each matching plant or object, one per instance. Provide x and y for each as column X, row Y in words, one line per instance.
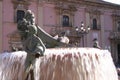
column 55, row 16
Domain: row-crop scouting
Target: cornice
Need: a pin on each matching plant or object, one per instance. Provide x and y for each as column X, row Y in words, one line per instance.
column 89, row 3
column 101, row 5
column 85, row 3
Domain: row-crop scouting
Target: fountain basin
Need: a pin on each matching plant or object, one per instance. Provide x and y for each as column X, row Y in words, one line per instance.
column 61, row 64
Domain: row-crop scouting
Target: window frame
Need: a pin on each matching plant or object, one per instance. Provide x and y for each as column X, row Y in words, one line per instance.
column 17, row 20
column 65, row 20
column 118, row 25
column 95, row 25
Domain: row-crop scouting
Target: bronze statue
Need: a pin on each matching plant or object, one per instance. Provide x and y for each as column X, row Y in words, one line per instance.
column 32, row 44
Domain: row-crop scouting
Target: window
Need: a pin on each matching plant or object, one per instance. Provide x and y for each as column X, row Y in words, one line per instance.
column 65, row 22
column 118, row 27
column 94, row 23
column 20, row 15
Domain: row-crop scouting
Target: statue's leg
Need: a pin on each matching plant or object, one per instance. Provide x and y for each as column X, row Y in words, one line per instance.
column 27, row 72
column 28, row 66
column 32, row 74
column 32, row 69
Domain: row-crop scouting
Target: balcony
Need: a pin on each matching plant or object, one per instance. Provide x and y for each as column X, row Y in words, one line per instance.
column 115, row 35
column 97, row 27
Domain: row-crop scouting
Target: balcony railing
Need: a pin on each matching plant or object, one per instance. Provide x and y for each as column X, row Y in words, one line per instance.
column 115, row 35
column 98, row 27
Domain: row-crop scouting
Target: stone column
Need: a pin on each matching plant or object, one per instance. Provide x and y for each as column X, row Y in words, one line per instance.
column 1, row 26
column 88, row 43
column 72, row 20
column 60, row 19
column 57, row 17
column 102, row 32
column 40, row 14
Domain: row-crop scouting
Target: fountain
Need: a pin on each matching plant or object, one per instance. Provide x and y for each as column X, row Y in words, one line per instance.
column 53, row 63
column 61, row 64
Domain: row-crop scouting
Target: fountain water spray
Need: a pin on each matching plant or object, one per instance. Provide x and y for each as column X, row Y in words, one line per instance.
column 61, row 64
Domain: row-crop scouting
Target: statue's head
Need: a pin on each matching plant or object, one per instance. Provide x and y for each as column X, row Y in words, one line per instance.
column 29, row 16
column 30, row 13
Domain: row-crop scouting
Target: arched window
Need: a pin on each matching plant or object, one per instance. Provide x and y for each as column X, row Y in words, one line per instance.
column 20, row 15
column 94, row 23
column 65, row 21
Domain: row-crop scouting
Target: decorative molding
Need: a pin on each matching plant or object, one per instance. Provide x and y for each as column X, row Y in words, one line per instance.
column 20, row 5
column 115, row 17
column 93, row 10
column 100, row 4
column 65, row 8
column 23, row 3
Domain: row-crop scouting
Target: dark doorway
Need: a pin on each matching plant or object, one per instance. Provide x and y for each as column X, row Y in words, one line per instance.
column 118, row 50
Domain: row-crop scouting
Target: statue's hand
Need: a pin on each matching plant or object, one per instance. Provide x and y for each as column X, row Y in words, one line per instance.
column 37, row 55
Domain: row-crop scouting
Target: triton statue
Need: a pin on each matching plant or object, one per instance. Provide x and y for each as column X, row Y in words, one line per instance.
column 35, row 40
column 32, row 44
